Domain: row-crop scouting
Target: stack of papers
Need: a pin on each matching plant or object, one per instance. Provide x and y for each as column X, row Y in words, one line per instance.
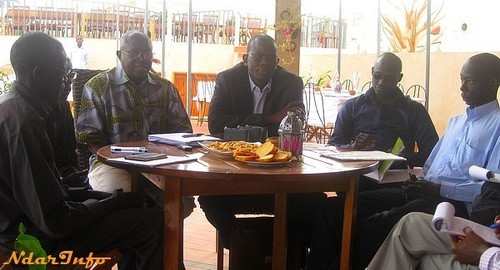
column 181, row 138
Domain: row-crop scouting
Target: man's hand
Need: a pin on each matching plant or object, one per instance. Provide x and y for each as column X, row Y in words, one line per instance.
column 277, row 117
column 122, row 200
column 468, row 249
column 415, row 188
column 363, row 141
column 497, row 229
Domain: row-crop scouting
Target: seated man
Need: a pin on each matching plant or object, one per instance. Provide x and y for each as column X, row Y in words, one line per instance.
column 125, row 104
column 30, row 188
column 413, row 244
column 376, row 119
column 255, row 92
column 61, row 131
column 470, row 139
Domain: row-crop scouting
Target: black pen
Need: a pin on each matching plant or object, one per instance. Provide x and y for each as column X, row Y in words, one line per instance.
column 126, row 149
column 192, row 135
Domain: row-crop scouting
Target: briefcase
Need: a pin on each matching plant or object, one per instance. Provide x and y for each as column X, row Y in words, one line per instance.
column 245, row 133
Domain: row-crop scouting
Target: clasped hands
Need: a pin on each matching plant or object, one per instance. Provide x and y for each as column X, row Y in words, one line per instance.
column 122, row 200
column 415, row 188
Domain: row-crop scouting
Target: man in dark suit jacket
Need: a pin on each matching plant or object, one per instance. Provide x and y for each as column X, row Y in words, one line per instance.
column 256, row 92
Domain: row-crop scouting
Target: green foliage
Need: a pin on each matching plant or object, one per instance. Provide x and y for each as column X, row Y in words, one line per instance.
column 323, row 79
column 29, row 244
column 5, row 83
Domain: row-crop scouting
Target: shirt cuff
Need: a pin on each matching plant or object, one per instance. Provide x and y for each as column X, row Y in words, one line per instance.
column 487, row 258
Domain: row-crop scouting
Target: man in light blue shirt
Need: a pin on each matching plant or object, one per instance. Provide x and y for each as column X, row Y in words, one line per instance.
column 470, row 139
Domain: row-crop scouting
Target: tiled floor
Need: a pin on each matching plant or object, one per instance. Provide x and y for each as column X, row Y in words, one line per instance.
column 199, row 234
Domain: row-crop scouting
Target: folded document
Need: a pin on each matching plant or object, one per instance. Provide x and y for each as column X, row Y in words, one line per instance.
column 180, row 138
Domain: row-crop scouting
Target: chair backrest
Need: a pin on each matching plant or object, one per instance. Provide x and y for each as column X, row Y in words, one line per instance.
column 347, row 85
column 82, row 76
column 366, row 86
column 401, row 87
column 416, row 91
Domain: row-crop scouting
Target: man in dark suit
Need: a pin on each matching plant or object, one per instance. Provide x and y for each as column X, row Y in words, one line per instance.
column 255, row 92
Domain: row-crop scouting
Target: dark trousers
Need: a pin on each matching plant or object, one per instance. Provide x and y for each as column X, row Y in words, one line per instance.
column 377, row 212
column 136, row 232
column 220, row 211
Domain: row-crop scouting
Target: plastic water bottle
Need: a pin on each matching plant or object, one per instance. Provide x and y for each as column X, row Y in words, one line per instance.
column 291, row 134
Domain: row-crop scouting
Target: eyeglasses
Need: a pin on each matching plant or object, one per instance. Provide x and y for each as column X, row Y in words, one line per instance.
column 387, row 78
column 135, row 55
column 259, row 57
column 68, row 74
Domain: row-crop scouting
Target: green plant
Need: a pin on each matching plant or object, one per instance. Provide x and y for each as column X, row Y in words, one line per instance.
column 28, row 244
column 322, row 80
column 5, row 83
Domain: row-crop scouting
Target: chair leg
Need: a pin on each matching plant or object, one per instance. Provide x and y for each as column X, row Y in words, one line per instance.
column 220, row 250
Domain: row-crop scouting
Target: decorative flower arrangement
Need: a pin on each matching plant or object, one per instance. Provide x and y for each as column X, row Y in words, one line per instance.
column 290, row 26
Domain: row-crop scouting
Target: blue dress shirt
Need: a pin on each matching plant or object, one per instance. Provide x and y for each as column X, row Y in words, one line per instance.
column 470, row 139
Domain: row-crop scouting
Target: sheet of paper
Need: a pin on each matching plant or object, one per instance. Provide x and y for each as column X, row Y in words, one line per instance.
column 154, row 163
column 444, row 221
column 180, row 138
column 362, row 155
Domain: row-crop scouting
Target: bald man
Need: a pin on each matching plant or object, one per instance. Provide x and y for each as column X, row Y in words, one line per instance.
column 470, row 139
column 374, row 120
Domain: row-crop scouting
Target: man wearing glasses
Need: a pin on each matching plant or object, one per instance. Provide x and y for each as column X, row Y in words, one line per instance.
column 85, row 222
column 125, row 104
column 255, row 92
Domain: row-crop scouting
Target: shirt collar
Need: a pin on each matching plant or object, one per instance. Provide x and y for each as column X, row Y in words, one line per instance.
column 482, row 110
column 253, row 86
column 39, row 104
column 120, row 77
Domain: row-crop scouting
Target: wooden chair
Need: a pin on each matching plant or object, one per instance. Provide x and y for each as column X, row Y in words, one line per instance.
column 209, row 28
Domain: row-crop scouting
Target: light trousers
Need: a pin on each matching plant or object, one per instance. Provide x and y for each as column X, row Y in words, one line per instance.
column 413, row 244
column 108, row 178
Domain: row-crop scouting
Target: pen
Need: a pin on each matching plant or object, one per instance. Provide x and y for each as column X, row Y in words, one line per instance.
column 192, row 135
column 118, row 149
column 495, row 225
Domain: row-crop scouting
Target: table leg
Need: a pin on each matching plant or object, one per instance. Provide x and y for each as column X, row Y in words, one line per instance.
column 349, row 222
column 280, row 231
column 173, row 224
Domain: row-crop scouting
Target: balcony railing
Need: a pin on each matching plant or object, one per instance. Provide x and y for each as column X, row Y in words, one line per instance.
column 110, row 21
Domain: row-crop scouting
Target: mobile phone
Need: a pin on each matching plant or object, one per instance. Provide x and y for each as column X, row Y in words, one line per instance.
column 146, row 156
column 185, row 147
